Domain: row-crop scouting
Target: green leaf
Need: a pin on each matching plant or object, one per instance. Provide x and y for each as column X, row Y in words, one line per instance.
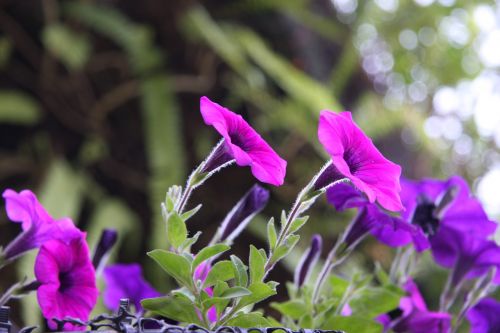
column 175, row 265
column 294, row 309
column 173, row 307
column 221, row 271
column 176, row 230
column 283, row 218
column 240, row 271
column 18, row 108
column 260, row 291
column 306, row 321
column 285, row 248
column 73, row 49
column 298, row 223
column 187, row 215
column 209, row 252
column 235, row 292
column 271, row 233
column 247, row 320
column 371, row 302
column 257, row 264
column 190, row 241
column 338, row 285
column 354, row 324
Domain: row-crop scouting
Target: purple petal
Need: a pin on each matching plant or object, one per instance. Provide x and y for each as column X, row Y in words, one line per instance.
column 356, row 157
column 483, row 317
column 308, row 260
column 344, row 196
column 244, row 143
column 242, row 213
column 133, row 286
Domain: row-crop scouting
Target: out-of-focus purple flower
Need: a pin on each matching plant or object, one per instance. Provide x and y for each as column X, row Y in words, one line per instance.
column 103, row 248
column 483, row 317
column 243, row 143
column 467, row 254
column 38, row 226
column 201, row 274
column 67, row 281
column 390, row 230
column 355, row 157
column 242, row 213
column 431, row 204
column 412, row 316
column 126, row 281
column 308, row 260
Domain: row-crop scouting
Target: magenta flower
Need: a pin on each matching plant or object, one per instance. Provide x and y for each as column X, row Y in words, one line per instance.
column 38, row 226
column 243, row 143
column 67, row 281
column 355, row 157
column 412, row 316
column 201, row 274
column 388, row 229
column 126, row 281
column 483, row 317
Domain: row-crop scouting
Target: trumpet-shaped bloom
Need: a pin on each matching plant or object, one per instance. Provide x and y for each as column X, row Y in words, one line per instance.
column 244, row 144
column 483, row 317
column 390, row 230
column 355, row 157
column 126, row 281
column 467, row 254
column 38, row 226
column 412, row 316
column 308, row 260
column 67, row 281
column 432, row 203
column 201, row 274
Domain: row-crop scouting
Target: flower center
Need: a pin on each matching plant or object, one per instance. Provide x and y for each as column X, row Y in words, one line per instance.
column 353, row 160
column 65, row 281
column 237, row 140
column 424, row 216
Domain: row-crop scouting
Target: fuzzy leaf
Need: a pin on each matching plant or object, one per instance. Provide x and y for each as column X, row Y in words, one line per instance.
column 298, row 223
column 235, row 292
column 240, row 271
column 294, row 309
column 247, row 320
column 187, row 215
column 221, row 271
column 260, row 291
column 209, row 252
column 175, row 265
column 173, row 307
column 257, row 264
column 271, row 233
column 371, row 302
column 176, row 230
column 355, row 324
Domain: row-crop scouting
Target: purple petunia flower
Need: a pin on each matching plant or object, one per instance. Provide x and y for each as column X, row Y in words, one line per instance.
column 201, row 274
column 126, row 281
column 242, row 213
column 412, row 316
column 483, row 317
column 308, row 260
column 432, row 203
column 467, row 254
column 67, row 281
column 355, row 157
column 390, row 230
column 38, row 226
column 102, row 250
column 243, row 144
